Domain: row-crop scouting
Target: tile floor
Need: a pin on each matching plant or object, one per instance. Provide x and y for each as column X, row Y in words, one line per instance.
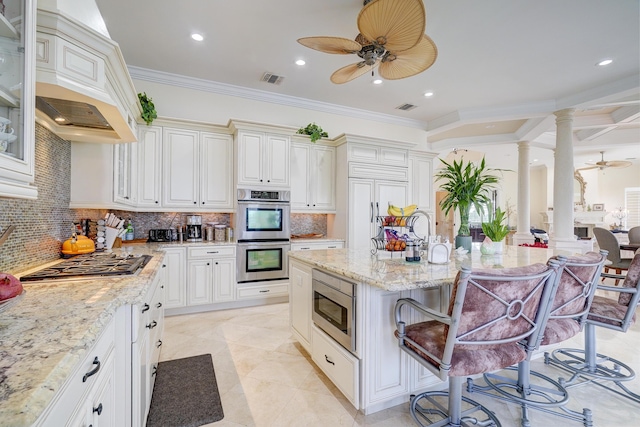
column 266, row 379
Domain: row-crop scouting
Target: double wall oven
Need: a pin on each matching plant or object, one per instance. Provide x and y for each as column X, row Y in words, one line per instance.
column 263, row 233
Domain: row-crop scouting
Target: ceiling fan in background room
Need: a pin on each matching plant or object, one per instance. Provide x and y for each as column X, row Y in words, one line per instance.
column 603, row 164
column 391, row 37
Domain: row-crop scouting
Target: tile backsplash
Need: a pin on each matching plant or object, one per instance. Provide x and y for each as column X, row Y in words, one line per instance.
column 43, row 224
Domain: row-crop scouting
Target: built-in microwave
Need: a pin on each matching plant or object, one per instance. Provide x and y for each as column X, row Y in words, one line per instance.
column 334, row 307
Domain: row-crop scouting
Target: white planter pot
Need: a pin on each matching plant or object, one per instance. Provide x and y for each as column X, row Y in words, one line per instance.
column 498, row 247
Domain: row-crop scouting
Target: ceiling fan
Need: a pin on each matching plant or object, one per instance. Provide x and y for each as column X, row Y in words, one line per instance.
column 603, row 164
column 391, row 37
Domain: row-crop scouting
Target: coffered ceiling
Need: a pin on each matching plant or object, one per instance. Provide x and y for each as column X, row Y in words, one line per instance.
column 503, row 66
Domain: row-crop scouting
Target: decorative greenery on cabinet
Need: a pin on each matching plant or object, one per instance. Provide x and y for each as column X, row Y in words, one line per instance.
column 149, row 113
column 314, row 131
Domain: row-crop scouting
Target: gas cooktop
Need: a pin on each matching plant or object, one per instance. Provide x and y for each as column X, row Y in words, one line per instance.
column 95, row 264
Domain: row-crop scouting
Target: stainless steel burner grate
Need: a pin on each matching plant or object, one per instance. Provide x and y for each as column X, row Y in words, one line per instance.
column 96, row 264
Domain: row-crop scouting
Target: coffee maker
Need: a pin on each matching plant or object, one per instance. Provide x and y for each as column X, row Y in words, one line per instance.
column 194, row 228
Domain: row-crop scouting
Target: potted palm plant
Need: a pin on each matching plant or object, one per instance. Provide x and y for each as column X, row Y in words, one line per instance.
column 466, row 185
column 496, row 229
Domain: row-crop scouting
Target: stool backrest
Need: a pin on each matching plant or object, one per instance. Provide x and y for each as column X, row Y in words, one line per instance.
column 499, row 306
column 578, row 283
column 608, row 242
column 634, row 234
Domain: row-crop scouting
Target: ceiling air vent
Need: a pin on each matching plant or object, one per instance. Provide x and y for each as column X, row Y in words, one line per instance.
column 272, row 78
column 406, row 107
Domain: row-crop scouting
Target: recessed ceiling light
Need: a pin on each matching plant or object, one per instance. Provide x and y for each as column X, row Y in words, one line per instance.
column 605, row 62
column 428, row 94
column 197, row 37
column 377, row 81
column 300, row 62
column 60, row 119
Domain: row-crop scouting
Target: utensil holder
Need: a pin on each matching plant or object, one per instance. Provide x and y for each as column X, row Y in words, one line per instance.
column 110, row 237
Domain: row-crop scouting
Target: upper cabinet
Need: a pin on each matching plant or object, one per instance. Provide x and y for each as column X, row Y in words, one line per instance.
column 421, row 180
column 149, row 166
column 263, row 155
column 313, row 178
column 17, row 89
column 197, row 170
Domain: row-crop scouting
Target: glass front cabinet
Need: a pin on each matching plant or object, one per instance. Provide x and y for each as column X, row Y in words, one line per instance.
column 17, row 95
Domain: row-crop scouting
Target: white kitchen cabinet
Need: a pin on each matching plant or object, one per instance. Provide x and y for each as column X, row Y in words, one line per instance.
column 263, row 159
column 149, row 167
column 421, row 180
column 300, row 302
column 197, row 170
column 17, row 100
column 375, row 154
column 313, row 171
column 180, row 168
column 212, row 274
column 90, row 384
column 175, row 260
column 369, row 198
column 125, row 170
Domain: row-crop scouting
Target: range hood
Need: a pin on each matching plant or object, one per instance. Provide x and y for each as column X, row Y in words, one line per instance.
column 83, row 89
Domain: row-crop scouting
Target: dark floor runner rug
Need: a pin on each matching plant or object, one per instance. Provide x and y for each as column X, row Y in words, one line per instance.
column 185, row 394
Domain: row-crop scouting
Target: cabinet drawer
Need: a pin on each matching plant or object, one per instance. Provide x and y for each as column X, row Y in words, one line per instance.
column 211, row 251
column 263, row 291
column 318, row 245
column 75, row 390
column 390, row 173
column 340, row 366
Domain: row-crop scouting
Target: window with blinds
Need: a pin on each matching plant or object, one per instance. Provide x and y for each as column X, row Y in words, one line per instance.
column 632, row 205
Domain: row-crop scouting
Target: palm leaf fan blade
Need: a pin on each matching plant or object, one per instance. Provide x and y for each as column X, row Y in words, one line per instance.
column 335, row 45
column 397, row 25
column 350, row 72
column 410, row 62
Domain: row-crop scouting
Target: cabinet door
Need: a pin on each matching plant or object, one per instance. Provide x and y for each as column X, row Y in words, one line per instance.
column 103, row 402
column 421, row 181
column 323, row 178
column 276, row 154
column 300, row 300
column 300, row 171
column 200, row 282
column 125, row 169
column 180, row 175
column 250, row 169
column 176, row 279
column 224, row 280
column 149, row 166
column 390, row 192
column 361, row 213
column 216, row 171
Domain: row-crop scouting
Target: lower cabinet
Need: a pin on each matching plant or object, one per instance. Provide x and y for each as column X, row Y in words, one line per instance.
column 88, row 395
column 325, row 244
column 175, row 260
column 300, row 303
column 211, row 274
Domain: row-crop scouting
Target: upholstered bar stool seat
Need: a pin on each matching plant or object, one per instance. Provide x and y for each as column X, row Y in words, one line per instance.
column 490, row 313
column 589, row 367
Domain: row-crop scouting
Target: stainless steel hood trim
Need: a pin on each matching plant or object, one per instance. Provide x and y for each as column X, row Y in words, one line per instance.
column 76, row 63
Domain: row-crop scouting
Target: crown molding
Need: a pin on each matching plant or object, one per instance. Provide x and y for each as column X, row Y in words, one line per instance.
column 177, row 80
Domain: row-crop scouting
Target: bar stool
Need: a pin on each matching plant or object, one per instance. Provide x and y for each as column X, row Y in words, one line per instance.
column 590, row 367
column 568, row 314
column 490, row 312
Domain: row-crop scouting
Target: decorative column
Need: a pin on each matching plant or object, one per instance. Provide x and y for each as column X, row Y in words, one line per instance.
column 563, row 170
column 523, row 234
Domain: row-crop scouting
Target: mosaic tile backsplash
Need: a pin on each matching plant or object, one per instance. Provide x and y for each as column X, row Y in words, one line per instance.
column 43, row 224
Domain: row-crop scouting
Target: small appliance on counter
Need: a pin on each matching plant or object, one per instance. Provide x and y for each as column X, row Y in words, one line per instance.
column 194, row 228
column 160, row 235
column 77, row 245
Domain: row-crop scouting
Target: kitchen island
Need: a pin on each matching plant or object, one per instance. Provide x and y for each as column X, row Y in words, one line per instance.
column 377, row 374
column 44, row 338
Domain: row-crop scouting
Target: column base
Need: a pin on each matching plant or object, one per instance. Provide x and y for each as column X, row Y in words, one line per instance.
column 520, row 238
column 578, row 246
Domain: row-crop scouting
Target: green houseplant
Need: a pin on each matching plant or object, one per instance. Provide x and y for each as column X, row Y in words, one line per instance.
column 496, row 229
column 466, row 185
column 148, row 109
column 314, row 131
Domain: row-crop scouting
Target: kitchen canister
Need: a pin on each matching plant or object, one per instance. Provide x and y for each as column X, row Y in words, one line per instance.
column 209, row 233
column 220, row 231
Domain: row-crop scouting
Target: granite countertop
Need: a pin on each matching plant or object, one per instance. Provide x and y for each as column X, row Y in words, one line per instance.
column 395, row 274
column 49, row 331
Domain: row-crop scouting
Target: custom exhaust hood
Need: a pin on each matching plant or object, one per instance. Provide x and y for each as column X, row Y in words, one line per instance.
column 83, row 89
